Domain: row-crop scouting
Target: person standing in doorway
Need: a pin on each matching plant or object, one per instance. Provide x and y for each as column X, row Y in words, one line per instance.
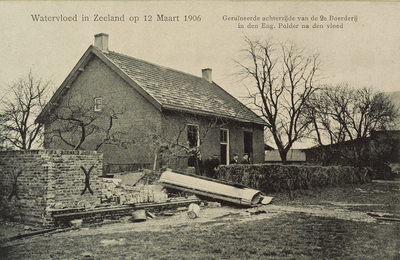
column 199, row 166
column 211, row 166
column 245, row 159
column 235, row 159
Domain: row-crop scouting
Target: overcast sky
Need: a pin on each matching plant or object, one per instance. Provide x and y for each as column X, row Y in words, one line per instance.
column 365, row 52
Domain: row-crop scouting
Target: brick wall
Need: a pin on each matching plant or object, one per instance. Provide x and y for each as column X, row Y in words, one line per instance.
column 35, row 182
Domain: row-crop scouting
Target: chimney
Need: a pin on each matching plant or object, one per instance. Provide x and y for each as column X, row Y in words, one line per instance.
column 101, row 41
column 207, row 74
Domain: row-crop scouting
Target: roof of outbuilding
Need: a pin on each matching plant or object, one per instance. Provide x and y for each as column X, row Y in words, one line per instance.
column 181, row 91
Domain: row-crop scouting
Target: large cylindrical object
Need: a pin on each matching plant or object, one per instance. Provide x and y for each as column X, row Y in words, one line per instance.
column 211, row 188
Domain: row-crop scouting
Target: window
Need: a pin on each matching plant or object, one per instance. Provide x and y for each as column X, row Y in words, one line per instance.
column 98, row 102
column 224, row 135
column 224, row 145
column 193, row 139
column 193, row 135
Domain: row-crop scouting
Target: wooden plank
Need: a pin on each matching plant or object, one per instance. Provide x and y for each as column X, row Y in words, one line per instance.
column 131, row 206
column 170, row 203
column 34, row 233
column 388, row 219
column 91, row 212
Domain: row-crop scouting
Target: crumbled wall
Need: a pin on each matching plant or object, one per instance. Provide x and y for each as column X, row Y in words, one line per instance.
column 35, row 182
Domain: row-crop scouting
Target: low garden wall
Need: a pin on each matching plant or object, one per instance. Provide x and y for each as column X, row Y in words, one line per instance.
column 277, row 178
column 35, row 182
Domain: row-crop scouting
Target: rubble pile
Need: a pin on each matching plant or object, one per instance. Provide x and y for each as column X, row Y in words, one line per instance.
column 114, row 191
column 130, row 193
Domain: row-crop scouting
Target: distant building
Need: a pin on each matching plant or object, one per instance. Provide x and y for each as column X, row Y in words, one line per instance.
column 293, row 156
column 380, row 151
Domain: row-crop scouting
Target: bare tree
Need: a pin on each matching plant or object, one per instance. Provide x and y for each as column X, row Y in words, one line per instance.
column 75, row 121
column 373, row 111
column 327, row 108
column 177, row 143
column 341, row 113
column 280, row 79
column 20, row 107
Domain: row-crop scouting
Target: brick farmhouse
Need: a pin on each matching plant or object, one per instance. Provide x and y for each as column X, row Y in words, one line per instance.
column 128, row 108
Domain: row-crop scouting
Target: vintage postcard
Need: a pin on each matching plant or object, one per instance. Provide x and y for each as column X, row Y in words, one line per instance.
column 199, row 130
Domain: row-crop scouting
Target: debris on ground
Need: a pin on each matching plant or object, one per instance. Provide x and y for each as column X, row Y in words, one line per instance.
column 168, row 213
column 213, row 188
column 265, row 200
column 213, row 204
column 139, row 216
column 150, row 215
column 229, row 215
column 132, row 191
column 129, row 198
column 115, row 192
column 131, row 178
column 193, row 211
column 29, row 228
column 87, row 255
column 256, row 211
column 76, row 223
column 384, row 216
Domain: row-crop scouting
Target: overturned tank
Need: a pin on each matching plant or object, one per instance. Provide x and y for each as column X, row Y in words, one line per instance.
column 212, row 188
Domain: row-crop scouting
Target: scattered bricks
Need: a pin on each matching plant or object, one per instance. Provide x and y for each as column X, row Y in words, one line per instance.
column 213, row 204
column 76, row 223
column 117, row 193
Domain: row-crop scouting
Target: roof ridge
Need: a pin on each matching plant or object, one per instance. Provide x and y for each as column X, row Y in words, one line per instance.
column 157, row 65
column 240, row 110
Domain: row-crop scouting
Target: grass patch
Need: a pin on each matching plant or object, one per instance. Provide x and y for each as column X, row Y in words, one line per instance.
column 290, row 236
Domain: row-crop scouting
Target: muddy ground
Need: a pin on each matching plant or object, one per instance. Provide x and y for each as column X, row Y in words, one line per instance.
column 351, row 222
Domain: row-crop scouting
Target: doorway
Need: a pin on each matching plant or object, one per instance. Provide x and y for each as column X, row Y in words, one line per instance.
column 248, row 144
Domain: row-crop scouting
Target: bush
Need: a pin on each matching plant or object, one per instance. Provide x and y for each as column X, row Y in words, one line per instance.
column 277, row 178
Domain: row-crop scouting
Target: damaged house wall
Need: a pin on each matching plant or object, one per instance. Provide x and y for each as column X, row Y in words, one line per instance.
column 133, row 117
column 174, row 130
column 35, row 182
column 122, row 102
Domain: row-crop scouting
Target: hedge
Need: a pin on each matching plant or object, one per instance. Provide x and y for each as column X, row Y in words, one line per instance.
column 276, row 178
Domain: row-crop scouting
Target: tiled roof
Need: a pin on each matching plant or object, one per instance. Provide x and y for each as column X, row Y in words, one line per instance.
column 181, row 91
